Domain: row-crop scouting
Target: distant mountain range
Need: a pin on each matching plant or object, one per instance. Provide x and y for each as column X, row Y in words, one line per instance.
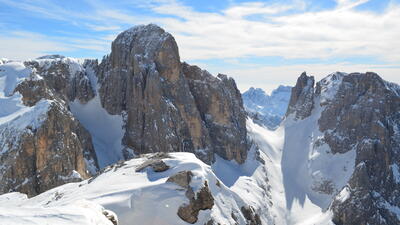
column 267, row 110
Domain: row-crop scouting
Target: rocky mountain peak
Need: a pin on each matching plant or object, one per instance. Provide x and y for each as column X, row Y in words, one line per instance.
column 355, row 115
column 301, row 99
column 144, row 78
column 150, row 101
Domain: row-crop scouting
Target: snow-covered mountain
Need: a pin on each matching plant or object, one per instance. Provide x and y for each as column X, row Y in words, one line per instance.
column 267, row 110
column 144, row 137
column 162, row 189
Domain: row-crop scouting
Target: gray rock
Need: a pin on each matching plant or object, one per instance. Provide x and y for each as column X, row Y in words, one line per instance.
column 302, row 97
column 188, row 109
column 202, row 200
column 363, row 115
column 156, row 164
column 182, row 178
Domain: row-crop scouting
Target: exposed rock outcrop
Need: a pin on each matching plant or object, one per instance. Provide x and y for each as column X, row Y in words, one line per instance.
column 166, row 106
column 42, row 151
column 202, row 200
column 156, row 164
column 302, row 97
column 359, row 112
column 169, row 106
column 251, row 216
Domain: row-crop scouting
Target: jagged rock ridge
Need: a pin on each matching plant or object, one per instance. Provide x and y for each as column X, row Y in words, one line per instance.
column 164, row 105
column 359, row 113
column 170, row 106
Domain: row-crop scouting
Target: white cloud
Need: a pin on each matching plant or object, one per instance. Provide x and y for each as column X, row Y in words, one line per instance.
column 25, row 45
column 340, row 32
column 253, row 29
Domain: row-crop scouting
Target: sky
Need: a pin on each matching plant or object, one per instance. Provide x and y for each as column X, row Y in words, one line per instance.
column 259, row 43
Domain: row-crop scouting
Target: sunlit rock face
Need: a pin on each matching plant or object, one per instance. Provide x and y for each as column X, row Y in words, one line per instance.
column 142, row 94
column 170, row 106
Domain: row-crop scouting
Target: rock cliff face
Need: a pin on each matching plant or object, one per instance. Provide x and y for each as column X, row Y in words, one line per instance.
column 165, row 105
column 302, row 98
column 44, row 146
column 170, row 106
column 358, row 113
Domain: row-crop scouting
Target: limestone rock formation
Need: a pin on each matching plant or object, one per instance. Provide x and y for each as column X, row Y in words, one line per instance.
column 302, row 97
column 166, row 106
column 169, row 106
column 54, row 150
column 358, row 112
column 201, row 200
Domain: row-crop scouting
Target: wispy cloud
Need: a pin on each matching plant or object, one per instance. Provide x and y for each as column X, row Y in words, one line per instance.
column 25, row 45
column 253, row 29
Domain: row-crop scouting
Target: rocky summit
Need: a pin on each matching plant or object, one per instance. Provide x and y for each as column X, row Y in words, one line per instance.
column 357, row 116
column 170, row 106
column 163, row 105
column 142, row 136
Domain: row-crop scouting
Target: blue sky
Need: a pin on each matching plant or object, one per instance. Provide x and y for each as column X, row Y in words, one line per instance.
column 259, row 43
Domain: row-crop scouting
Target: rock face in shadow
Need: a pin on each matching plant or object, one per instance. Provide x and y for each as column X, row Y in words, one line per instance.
column 170, row 107
column 302, row 97
column 359, row 112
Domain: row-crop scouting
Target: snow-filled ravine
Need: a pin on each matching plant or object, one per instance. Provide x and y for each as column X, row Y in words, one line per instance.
column 106, row 130
column 291, row 201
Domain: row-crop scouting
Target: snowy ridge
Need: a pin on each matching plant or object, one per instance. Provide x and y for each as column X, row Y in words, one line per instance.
column 134, row 196
column 80, row 212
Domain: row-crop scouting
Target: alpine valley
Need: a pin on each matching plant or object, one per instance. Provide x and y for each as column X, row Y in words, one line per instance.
column 143, row 138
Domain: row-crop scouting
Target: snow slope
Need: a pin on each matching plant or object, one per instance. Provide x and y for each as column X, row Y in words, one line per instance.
column 305, row 176
column 14, row 116
column 106, row 130
column 135, row 196
column 291, row 204
column 81, row 212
